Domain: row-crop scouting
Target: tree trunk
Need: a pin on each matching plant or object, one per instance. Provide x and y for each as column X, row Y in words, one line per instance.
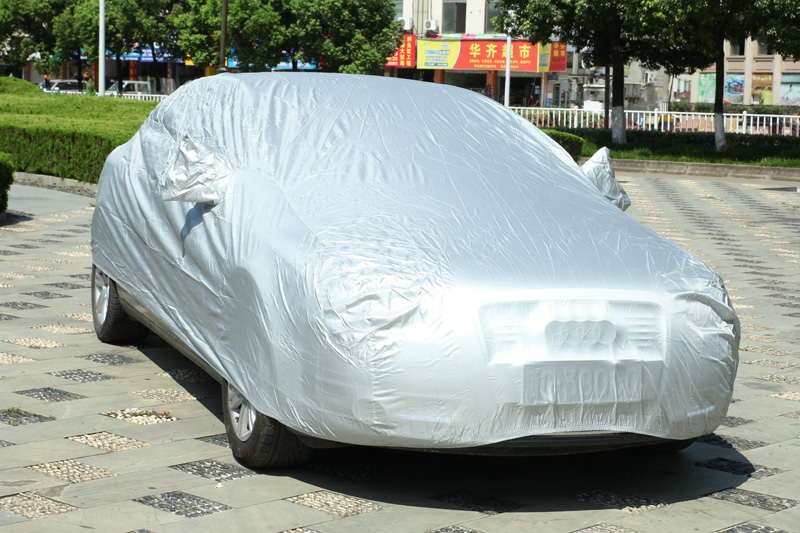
column 719, row 95
column 618, row 97
column 118, row 53
column 156, row 66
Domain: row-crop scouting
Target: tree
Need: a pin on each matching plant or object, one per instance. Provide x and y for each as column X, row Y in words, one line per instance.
column 26, row 31
column 342, row 35
column 781, row 30
column 613, row 32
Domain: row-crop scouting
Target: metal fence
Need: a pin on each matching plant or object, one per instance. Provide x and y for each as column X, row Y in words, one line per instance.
column 124, row 96
column 665, row 120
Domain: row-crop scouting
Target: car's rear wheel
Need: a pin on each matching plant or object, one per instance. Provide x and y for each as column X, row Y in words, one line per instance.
column 258, row 441
column 111, row 323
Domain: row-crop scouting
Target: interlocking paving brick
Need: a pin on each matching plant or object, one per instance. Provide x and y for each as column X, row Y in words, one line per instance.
column 787, row 395
column 4, row 316
column 34, row 342
column 793, row 414
column 110, row 359
column 22, row 306
column 9, row 252
column 334, row 503
column 109, row 442
column 165, row 395
column 739, row 468
column 733, row 421
column 143, row 417
column 219, row 440
column 751, row 528
column 62, row 329
column 84, row 277
column 183, row 504
column 605, row 528
column 616, row 500
column 46, row 295
column 73, row 254
column 10, row 359
column 772, row 364
column 189, row 375
column 49, row 394
column 300, row 530
column 71, row 471
column 5, row 285
column 216, row 470
column 734, row 443
column 452, row 529
column 81, row 376
column 14, row 416
column 66, row 285
column 31, row 505
column 84, row 317
column 5, row 443
column 25, row 246
column 474, row 501
column 777, row 378
column 755, row 499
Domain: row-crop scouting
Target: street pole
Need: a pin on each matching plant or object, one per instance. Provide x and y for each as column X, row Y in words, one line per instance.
column 101, row 52
column 224, row 32
column 508, row 69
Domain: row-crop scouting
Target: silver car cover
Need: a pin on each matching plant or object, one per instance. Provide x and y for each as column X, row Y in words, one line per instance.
column 390, row 262
column 600, row 172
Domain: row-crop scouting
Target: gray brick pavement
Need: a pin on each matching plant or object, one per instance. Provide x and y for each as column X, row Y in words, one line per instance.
column 66, row 466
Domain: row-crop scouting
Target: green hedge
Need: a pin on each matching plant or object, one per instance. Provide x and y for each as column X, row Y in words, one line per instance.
column 704, row 107
column 570, row 142
column 6, row 179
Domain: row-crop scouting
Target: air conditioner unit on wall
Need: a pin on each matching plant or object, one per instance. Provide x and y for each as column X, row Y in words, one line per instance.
column 408, row 23
column 431, row 26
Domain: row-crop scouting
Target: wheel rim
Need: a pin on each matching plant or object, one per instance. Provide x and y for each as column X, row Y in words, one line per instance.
column 243, row 416
column 100, row 295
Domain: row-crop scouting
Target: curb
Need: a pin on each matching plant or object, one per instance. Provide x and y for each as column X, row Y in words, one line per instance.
column 53, row 181
column 707, row 170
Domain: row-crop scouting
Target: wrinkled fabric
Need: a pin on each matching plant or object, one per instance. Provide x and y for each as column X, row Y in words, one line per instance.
column 601, row 173
column 391, row 262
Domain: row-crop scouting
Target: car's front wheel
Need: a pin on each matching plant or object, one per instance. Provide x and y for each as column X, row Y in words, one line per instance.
column 258, row 441
column 111, row 323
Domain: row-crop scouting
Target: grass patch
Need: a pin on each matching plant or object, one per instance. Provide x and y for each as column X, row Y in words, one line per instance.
column 743, row 149
column 64, row 135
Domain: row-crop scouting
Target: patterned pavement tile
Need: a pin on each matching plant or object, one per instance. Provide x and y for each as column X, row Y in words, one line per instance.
column 71, row 471
column 183, row 504
column 165, row 395
column 605, row 528
column 49, row 394
column 14, row 416
column 474, row 501
column 734, row 443
column 189, row 375
column 61, row 329
column 34, row 342
column 81, row 376
column 142, row 417
column 108, row 441
column 777, row 378
column 739, row 468
column 218, row 440
column 4, row 316
column 110, row 359
column 755, row 499
column 616, row 500
column 751, row 528
column 31, row 505
column 452, row 529
column 334, row 503
column 83, row 317
column 10, row 359
column 22, row 306
column 734, row 421
column 787, row 395
column 216, row 470
column 46, row 295
column 769, row 363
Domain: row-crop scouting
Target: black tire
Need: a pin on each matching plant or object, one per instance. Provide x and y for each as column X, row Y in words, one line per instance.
column 111, row 323
column 259, row 442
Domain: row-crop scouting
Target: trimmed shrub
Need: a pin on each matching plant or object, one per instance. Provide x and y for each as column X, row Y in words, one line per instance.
column 6, row 179
column 570, row 142
column 761, row 109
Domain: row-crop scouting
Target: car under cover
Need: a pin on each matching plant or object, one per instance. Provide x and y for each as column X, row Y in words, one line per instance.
column 388, row 262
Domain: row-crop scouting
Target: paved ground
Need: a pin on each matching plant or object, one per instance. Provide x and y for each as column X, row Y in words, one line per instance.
column 66, row 466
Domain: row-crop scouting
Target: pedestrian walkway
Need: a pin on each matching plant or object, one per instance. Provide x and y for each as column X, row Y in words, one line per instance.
column 130, row 438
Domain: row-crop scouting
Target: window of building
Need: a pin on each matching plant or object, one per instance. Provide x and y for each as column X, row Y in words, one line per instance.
column 398, row 7
column 737, row 48
column 454, row 16
column 491, row 12
column 762, row 49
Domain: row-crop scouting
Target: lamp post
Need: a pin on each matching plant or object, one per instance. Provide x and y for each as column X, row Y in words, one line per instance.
column 101, row 53
column 507, row 94
column 223, row 34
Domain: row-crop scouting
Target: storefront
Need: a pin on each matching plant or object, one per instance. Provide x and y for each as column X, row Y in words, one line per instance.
column 478, row 62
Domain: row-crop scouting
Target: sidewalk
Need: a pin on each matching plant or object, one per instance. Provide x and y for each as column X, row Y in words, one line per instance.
column 66, row 465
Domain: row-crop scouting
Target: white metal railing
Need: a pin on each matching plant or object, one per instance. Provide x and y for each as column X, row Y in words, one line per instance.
column 125, row 96
column 660, row 120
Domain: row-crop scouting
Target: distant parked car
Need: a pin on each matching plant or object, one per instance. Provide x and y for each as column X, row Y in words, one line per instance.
column 131, row 87
column 57, row 86
column 384, row 262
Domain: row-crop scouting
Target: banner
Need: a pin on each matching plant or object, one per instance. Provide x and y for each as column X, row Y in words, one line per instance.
column 406, row 54
column 761, row 92
column 790, row 89
column 734, row 89
column 706, row 88
column 490, row 54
